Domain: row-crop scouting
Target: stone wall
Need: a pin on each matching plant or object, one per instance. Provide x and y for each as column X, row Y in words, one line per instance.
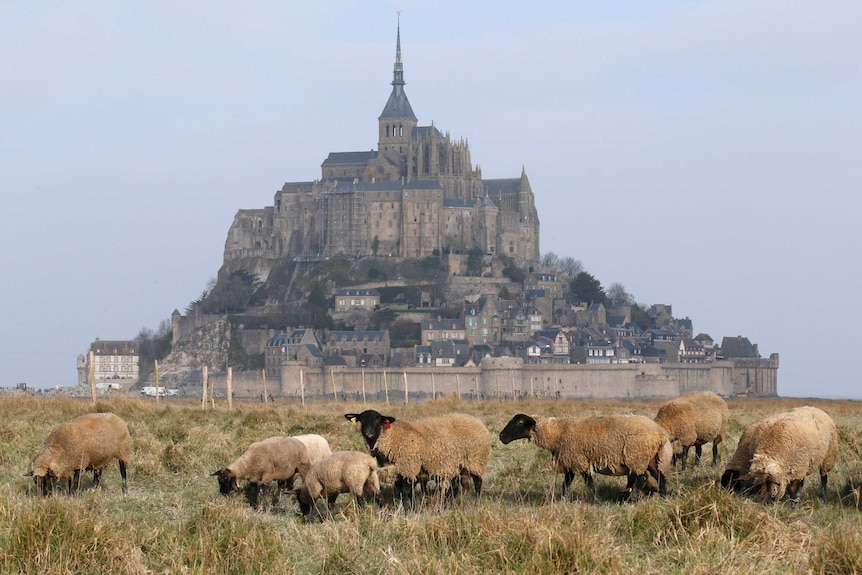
column 507, row 377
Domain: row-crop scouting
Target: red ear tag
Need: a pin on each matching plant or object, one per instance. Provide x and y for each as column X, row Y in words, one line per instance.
column 388, row 425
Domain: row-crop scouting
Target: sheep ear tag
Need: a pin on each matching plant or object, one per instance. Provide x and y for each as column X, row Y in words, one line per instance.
column 388, row 425
column 352, row 420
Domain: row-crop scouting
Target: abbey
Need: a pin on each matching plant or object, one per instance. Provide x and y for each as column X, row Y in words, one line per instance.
column 418, row 194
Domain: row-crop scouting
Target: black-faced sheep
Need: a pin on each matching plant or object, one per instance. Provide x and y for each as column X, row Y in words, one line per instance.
column 692, row 420
column 738, row 464
column 89, row 442
column 273, row 459
column 351, row 472
column 443, row 448
column 630, row 445
column 787, row 449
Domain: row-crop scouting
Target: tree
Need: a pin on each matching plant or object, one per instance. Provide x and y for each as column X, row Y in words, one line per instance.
column 618, row 296
column 375, row 245
column 570, row 267
column 588, row 289
column 233, row 294
column 403, row 331
column 640, row 317
column 504, row 293
column 550, row 259
column 475, row 262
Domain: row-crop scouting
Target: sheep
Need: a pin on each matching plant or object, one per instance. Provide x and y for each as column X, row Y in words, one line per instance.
column 694, row 419
column 788, row 448
column 443, row 448
column 318, row 448
column 273, row 459
column 631, row 445
column 89, row 442
column 740, row 461
column 351, row 472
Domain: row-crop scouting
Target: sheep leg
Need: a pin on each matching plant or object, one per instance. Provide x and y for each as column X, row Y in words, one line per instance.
column 793, row 489
column 97, row 478
column 360, row 501
column 634, row 485
column 698, row 451
column 588, row 479
column 823, row 478
column 123, row 475
column 684, row 457
column 264, row 502
column 252, row 493
column 406, row 492
column 477, row 484
column 715, row 456
column 76, row 482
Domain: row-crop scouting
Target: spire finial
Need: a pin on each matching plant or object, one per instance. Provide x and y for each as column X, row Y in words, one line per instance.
column 398, row 72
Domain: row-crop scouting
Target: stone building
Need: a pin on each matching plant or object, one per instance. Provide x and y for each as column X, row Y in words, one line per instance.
column 418, row 193
column 114, row 362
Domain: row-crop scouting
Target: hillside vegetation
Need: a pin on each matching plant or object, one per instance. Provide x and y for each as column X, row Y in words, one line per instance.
column 174, row 521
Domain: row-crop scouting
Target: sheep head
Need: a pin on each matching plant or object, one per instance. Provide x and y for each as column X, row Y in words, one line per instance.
column 520, row 427
column 44, row 478
column 226, row 480
column 371, row 424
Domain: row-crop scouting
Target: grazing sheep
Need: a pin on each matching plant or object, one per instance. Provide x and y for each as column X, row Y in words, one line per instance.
column 692, row 420
column 273, row 459
column 351, row 472
column 317, row 446
column 442, row 448
column 740, row 461
column 89, row 442
column 630, row 445
column 788, row 448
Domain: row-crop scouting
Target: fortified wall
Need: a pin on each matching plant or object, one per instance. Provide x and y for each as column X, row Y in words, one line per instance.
column 507, row 377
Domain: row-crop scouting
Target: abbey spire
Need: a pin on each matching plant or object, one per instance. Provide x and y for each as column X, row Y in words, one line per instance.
column 397, row 119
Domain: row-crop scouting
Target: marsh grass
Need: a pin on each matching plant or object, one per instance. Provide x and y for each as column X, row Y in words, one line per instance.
column 174, row 521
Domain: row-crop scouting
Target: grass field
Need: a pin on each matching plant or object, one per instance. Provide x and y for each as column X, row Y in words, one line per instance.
column 174, row 521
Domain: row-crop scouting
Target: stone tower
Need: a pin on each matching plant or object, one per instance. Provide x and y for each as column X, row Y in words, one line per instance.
column 397, row 121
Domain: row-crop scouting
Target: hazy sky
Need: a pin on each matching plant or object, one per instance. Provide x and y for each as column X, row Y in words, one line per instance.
column 704, row 154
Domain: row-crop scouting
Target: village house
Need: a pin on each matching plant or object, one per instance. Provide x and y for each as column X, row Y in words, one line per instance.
column 442, row 329
column 352, row 299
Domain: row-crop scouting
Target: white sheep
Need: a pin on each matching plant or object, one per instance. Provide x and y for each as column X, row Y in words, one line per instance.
column 351, row 472
column 788, row 448
column 318, row 448
column 89, row 442
column 274, row 459
column 443, row 448
column 694, row 419
column 630, row 445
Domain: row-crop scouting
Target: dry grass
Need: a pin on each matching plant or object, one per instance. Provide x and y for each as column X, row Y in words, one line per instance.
column 174, row 521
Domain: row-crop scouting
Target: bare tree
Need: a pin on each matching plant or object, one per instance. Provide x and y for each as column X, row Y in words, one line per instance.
column 618, row 296
column 570, row 267
column 550, row 259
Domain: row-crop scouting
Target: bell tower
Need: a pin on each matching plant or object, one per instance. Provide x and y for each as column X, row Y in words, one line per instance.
column 397, row 120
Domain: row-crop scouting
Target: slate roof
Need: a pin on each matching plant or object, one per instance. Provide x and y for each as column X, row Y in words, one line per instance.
column 422, row 131
column 463, row 204
column 349, row 157
column 355, row 335
column 737, row 347
column 359, row 292
column 502, row 186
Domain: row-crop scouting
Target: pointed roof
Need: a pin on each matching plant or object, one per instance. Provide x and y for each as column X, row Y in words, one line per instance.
column 398, row 106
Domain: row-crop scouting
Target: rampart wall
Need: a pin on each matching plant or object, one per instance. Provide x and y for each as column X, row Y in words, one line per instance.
column 505, row 378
